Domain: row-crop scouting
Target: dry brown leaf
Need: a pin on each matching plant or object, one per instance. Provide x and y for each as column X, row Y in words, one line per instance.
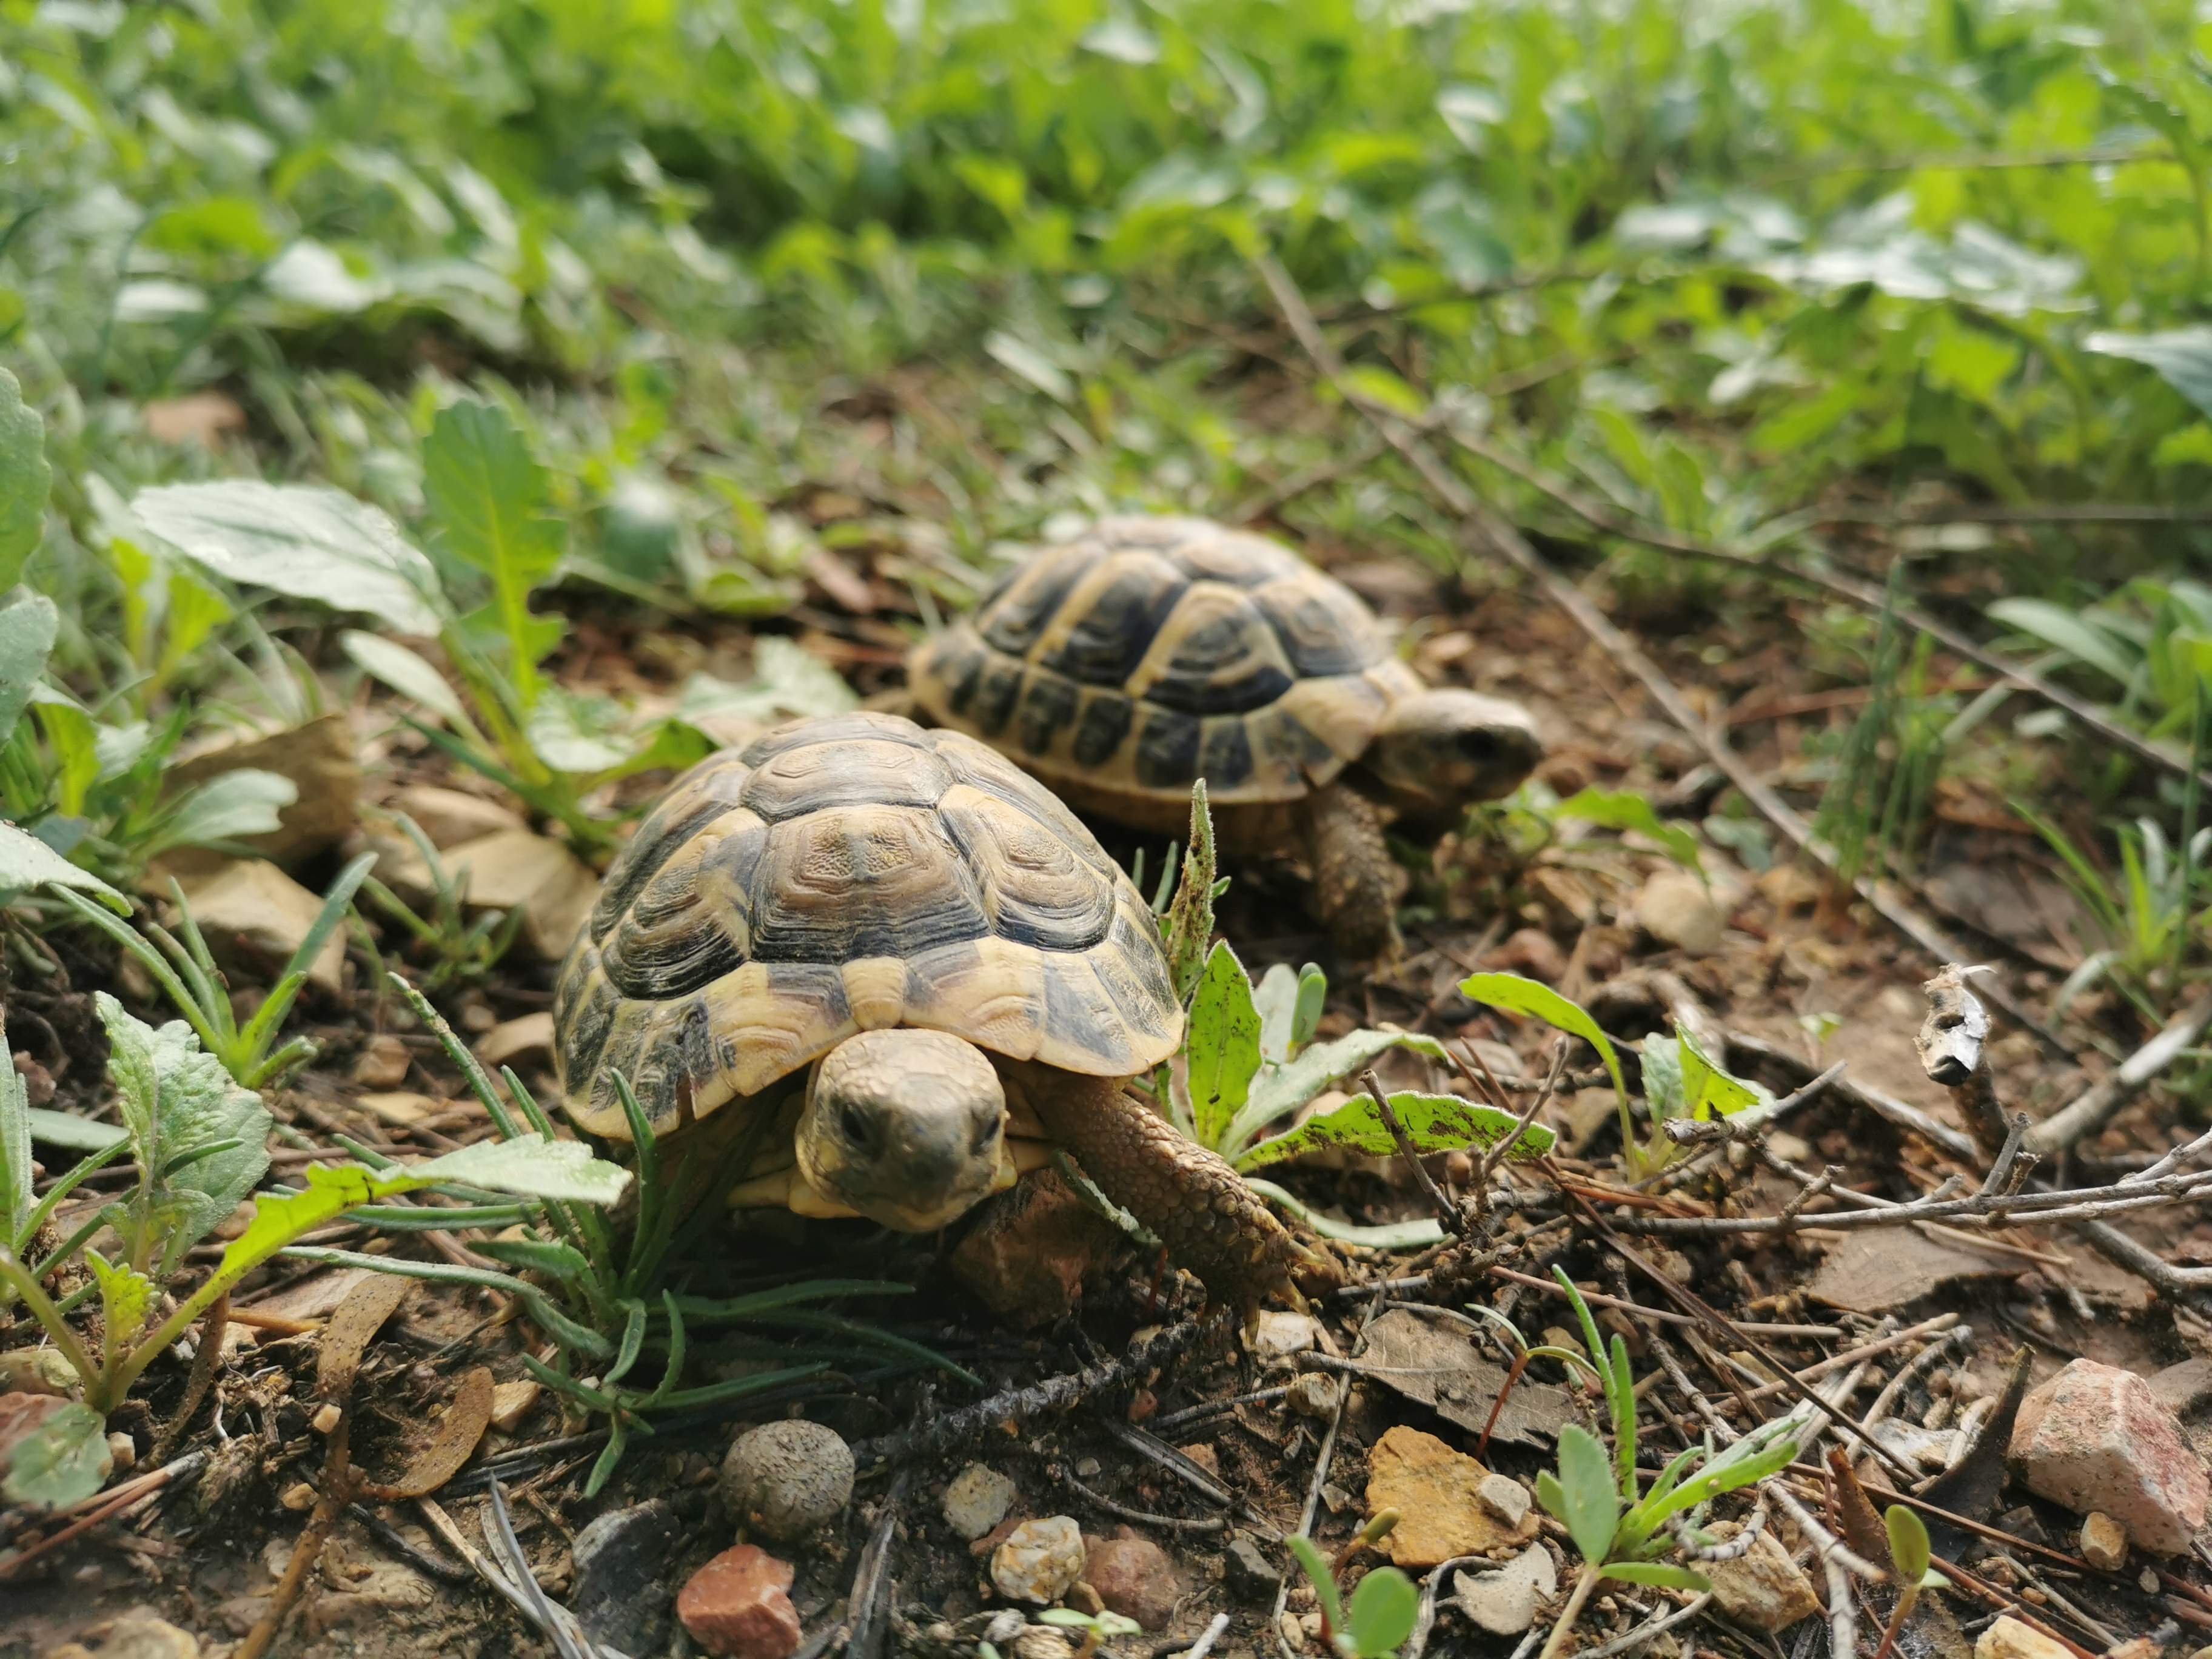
column 352, row 1328
column 453, row 1443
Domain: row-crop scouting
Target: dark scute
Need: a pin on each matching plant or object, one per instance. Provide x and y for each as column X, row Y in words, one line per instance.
column 852, row 905
column 995, row 697
column 1030, row 596
column 1317, row 641
column 1046, row 706
column 1081, row 918
column 583, row 1016
column 960, row 667
column 1118, row 622
column 656, row 839
column 1105, row 724
column 670, row 963
column 1225, row 759
column 831, row 728
column 1244, row 562
column 1167, row 749
column 833, row 772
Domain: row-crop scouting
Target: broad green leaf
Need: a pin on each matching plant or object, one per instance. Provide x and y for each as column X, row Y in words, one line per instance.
column 1276, row 1000
column 409, row 673
column 489, row 496
column 176, row 1100
column 1189, row 930
column 27, row 624
column 1909, row 1544
column 2082, row 640
column 788, row 680
column 1665, row 1575
column 2182, row 356
column 1222, row 1051
column 1021, row 358
column 1665, row 1091
column 1388, row 1235
column 1281, row 1090
column 1527, row 996
column 529, row 1166
column 62, row 1461
column 27, row 862
column 300, row 540
column 1586, row 1500
column 25, row 478
column 1313, row 991
column 229, row 806
column 1434, row 1123
column 581, row 734
column 72, row 1132
column 1710, row 1089
column 1384, row 1605
column 1624, row 809
column 126, row 1296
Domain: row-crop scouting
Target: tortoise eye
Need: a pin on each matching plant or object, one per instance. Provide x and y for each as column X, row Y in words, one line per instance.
column 856, row 1124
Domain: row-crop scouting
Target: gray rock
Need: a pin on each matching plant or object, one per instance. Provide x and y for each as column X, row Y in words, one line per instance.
column 1504, row 1603
column 1251, row 1573
column 1506, row 1499
column 977, row 1500
column 1315, row 1395
column 619, row 1593
column 784, row 1479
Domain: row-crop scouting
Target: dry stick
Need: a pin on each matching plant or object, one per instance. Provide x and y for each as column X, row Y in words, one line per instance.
column 1838, row 1563
column 1905, row 1116
column 102, row 1507
column 1509, row 544
column 1863, row 594
column 1327, row 1450
column 205, row 1362
column 1447, row 1212
column 2093, row 1110
column 339, row 1479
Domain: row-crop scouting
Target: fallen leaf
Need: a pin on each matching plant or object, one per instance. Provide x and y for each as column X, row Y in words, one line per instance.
column 460, row 1430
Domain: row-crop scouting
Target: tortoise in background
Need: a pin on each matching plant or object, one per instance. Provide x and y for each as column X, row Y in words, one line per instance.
column 1149, row 653
column 856, row 943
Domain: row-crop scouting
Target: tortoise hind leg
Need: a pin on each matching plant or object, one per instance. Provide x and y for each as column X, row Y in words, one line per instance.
column 1356, row 884
column 1209, row 1219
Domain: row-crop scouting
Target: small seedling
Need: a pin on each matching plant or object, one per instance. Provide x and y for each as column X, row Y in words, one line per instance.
column 195, row 986
column 1620, row 1532
column 455, row 952
column 1912, row 1556
column 1097, row 1627
column 1384, row 1604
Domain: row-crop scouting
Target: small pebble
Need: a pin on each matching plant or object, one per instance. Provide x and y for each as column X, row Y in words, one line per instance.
column 123, row 1450
column 1134, row 1577
column 298, row 1498
column 739, row 1605
column 1504, row 1497
column 382, row 1063
column 1315, row 1395
column 1041, row 1642
column 784, row 1479
column 1279, row 1332
column 977, row 1500
column 2104, row 1543
column 325, row 1418
column 1087, row 1469
column 1039, row 1560
column 1294, row 1633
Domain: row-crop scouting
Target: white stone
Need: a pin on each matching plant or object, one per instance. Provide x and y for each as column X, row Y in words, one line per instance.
column 1504, row 1603
column 1040, row 1561
column 976, row 1500
column 1279, row 1333
column 1505, row 1498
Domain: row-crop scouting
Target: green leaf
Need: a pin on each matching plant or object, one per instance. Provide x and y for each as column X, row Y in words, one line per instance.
column 1223, row 1049
column 72, row 1132
column 562, row 1261
column 1665, row 1575
column 1710, row 1089
column 1025, row 360
column 228, row 806
column 62, row 1461
column 1276, row 999
column 2182, row 356
column 300, row 540
column 489, row 495
column 407, row 673
column 125, row 1296
column 1624, row 809
column 1388, row 1235
column 1434, row 1123
column 1313, row 991
column 1527, row 996
column 789, row 681
column 1315, row 1567
column 1189, row 931
column 27, row 624
column 529, row 1166
column 25, row 478
column 176, row 1100
column 1280, row 1090
column 15, row 1184
column 27, row 862
column 1587, row 1501
column 1384, row 1607
column 1909, row 1544
column 2079, row 638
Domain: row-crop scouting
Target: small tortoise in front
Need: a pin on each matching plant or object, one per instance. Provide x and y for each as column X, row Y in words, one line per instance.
column 1149, row 653
column 860, row 943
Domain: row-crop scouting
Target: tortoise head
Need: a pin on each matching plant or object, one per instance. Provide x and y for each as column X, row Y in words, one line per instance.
column 904, row 1126
column 1436, row 750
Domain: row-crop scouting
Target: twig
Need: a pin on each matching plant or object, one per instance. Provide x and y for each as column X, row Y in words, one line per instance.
column 868, row 1607
column 205, row 1361
column 339, row 1481
column 2095, row 1109
column 1212, row 1634
column 1142, row 1518
column 1905, row 1116
column 1838, row 1563
column 1918, row 1366
column 1645, row 1633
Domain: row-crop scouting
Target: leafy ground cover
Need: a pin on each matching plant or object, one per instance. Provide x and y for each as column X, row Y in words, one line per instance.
column 498, row 405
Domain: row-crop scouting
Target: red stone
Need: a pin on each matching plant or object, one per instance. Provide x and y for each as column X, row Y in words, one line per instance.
column 2095, row 1437
column 739, row 1605
column 1133, row 1577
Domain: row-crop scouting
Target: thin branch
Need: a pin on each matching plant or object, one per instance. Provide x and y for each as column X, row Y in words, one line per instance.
column 2097, row 1108
column 1447, row 1212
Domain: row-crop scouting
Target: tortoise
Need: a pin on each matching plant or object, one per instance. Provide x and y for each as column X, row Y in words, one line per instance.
column 906, row 970
column 1151, row 651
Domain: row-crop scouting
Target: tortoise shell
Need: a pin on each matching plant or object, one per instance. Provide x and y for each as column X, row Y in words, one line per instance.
column 1151, row 651
column 845, row 874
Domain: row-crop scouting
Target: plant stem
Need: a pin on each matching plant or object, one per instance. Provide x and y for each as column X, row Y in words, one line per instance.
column 1907, row 1596
column 18, row 1278
column 1592, row 1571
